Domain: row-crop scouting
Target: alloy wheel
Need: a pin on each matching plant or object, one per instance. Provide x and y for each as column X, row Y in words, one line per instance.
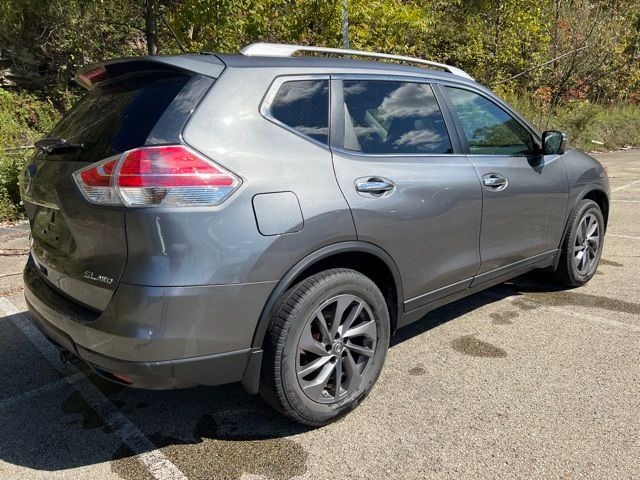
column 587, row 244
column 336, row 348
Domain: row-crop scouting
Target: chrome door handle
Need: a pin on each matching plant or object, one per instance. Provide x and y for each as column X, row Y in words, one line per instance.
column 494, row 181
column 374, row 185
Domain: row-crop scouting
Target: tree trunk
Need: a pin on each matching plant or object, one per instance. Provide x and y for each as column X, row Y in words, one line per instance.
column 151, row 26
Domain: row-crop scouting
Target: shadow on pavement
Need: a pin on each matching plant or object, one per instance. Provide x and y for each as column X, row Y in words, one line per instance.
column 230, row 432
column 520, row 286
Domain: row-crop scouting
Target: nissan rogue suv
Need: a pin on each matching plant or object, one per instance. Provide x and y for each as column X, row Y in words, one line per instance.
column 272, row 219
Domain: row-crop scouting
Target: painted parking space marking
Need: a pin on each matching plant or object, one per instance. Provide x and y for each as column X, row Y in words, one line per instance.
column 34, row 392
column 623, row 236
column 624, row 186
column 158, row 465
column 572, row 313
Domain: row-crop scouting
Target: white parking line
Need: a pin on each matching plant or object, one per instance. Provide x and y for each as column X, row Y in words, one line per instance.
column 156, row 462
column 625, row 201
column 625, row 186
column 593, row 318
column 572, row 313
column 623, row 236
column 34, row 392
column 22, row 230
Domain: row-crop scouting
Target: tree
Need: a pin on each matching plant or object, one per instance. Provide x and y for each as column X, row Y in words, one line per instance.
column 151, row 26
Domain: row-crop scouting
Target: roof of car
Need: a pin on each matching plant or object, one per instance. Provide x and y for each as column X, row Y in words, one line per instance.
column 212, row 64
column 333, row 64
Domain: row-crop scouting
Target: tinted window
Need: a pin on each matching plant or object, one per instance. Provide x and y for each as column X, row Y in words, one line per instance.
column 393, row 117
column 304, row 106
column 122, row 115
column 488, row 128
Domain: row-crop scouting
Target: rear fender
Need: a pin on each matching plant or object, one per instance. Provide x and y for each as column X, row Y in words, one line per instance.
column 251, row 376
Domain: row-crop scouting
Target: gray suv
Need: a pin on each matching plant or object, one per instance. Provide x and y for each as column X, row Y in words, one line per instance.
column 272, row 220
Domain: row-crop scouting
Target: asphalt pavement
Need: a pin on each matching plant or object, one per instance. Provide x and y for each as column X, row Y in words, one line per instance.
column 520, row 381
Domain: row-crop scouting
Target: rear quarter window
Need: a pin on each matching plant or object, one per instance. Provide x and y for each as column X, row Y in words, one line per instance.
column 303, row 105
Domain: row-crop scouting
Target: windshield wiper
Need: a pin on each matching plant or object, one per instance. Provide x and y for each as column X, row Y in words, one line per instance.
column 50, row 145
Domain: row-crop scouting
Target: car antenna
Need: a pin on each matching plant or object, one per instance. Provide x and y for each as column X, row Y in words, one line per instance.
column 540, row 65
column 173, row 34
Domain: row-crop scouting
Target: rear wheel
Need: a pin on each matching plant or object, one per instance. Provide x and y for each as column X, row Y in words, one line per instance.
column 326, row 346
column 582, row 247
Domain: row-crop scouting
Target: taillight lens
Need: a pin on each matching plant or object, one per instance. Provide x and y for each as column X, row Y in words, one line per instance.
column 163, row 175
column 95, row 182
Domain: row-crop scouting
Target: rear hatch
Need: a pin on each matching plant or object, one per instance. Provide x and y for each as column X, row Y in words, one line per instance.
column 81, row 248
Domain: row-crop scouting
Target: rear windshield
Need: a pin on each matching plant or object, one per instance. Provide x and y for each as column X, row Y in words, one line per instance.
column 129, row 113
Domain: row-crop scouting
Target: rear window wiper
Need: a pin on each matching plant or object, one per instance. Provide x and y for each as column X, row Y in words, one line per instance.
column 51, row 144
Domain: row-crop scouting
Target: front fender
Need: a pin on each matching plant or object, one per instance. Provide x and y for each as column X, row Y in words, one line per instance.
column 584, row 193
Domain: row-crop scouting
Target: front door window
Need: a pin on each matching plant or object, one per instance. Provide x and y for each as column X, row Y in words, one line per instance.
column 489, row 130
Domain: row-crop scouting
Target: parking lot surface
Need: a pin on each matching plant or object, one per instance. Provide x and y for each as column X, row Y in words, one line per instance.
column 522, row 380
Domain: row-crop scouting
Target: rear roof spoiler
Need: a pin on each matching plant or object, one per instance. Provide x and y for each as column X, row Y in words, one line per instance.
column 204, row 64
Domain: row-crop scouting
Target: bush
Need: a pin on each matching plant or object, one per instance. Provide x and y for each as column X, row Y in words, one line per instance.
column 23, row 119
column 616, row 126
column 10, row 167
column 8, row 210
column 610, row 126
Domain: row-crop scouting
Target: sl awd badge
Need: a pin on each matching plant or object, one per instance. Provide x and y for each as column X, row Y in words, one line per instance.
column 97, row 278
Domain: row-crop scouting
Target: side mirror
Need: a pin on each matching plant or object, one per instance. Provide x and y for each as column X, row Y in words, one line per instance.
column 554, row 142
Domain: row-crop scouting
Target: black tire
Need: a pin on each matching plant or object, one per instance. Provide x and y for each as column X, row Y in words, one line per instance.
column 294, row 315
column 568, row 272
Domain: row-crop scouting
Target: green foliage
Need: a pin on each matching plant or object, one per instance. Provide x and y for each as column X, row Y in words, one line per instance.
column 616, row 126
column 590, row 126
column 10, row 168
column 23, row 119
column 44, row 42
column 228, row 25
column 593, row 92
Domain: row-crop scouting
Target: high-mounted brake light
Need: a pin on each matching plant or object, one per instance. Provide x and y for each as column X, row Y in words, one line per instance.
column 92, row 76
column 163, row 175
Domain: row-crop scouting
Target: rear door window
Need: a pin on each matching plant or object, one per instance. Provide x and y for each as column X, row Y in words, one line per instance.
column 391, row 117
column 303, row 105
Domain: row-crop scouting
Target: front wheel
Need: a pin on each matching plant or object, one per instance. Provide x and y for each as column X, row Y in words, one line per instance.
column 582, row 248
column 326, row 346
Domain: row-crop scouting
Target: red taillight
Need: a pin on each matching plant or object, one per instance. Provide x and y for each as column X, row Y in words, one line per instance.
column 96, row 182
column 162, row 175
column 169, row 167
column 100, row 175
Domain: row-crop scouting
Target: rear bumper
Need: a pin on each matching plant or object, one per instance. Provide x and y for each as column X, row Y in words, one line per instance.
column 155, row 337
column 167, row 374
